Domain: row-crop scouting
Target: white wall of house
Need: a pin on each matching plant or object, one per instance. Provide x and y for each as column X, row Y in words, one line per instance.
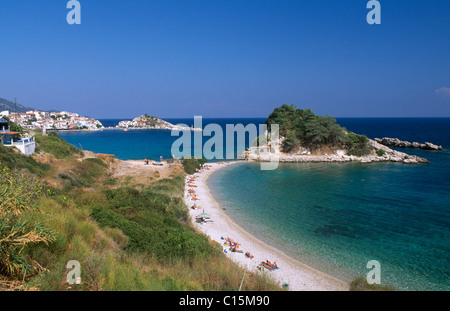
column 27, row 148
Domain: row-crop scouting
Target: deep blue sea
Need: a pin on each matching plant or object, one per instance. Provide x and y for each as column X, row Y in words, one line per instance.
column 334, row 217
column 138, row 144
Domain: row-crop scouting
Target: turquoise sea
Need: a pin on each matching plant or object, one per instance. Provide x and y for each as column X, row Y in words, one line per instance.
column 334, row 217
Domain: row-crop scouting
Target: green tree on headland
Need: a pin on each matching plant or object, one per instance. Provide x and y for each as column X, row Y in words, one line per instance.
column 303, row 127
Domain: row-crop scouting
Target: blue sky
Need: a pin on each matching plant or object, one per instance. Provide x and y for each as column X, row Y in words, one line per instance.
column 227, row 58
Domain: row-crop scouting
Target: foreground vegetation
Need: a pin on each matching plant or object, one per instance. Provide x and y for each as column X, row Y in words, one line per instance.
column 192, row 165
column 303, row 127
column 61, row 205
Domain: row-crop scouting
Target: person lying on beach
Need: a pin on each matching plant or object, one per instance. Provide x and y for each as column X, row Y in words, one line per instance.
column 263, row 265
column 248, row 255
column 272, row 265
column 268, row 265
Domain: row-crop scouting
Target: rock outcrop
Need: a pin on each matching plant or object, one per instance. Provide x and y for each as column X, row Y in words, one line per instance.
column 151, row 122
column 395, row 142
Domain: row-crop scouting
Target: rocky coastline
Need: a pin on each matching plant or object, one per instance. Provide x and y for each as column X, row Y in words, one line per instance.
column 261, row 154
column 395, row 142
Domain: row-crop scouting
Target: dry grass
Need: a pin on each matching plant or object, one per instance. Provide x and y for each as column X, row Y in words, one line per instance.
column 135, row 172
column 14, row 285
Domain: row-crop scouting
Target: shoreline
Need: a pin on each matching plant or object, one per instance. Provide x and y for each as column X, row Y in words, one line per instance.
column 123, row 129
column 257, row 154
column 297, row 275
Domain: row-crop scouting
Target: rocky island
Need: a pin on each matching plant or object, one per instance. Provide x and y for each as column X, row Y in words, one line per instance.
column 306, row 137
column 395, row 142
column 149, row 122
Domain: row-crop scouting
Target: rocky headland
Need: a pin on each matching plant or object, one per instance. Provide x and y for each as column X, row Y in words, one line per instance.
column 304, row 136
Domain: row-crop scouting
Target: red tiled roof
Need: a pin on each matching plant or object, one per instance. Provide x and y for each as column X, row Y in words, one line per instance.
column 9, row 133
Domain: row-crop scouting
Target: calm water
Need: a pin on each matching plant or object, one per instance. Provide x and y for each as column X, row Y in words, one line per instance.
column 141, row 144
column 335, row 217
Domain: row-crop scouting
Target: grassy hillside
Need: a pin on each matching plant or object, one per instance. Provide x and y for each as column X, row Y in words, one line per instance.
column 60, row 205
column 13, row 159
column 9, row 105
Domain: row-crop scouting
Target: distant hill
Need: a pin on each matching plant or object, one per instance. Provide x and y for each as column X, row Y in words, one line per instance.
column 9, row 105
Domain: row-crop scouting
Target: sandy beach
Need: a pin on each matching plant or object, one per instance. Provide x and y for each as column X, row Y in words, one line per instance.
column 298, row 276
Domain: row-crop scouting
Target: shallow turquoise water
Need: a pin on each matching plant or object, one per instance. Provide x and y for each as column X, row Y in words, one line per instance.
column 337, row 217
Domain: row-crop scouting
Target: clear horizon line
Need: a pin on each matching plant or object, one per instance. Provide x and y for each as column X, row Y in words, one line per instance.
column 346, row 117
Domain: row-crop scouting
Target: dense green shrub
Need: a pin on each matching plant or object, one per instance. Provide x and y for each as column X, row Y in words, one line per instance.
column 357, row 144
column 192, row 165
column 155, row 222
column 381, row 152
column 303, row 127
column 154, row 234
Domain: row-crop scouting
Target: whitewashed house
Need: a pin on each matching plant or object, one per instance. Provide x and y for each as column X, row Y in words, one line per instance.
column 26, row 145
